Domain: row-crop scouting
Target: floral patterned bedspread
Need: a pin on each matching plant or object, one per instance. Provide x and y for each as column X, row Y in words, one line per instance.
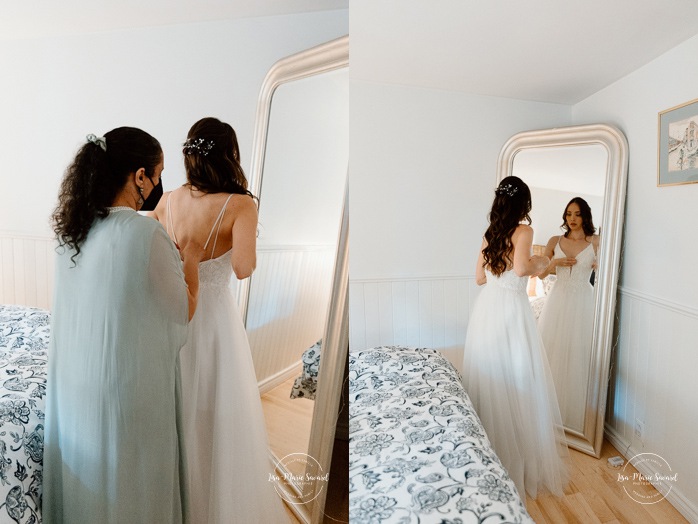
column 417, row 450
column 306, row 383
column 24, row 335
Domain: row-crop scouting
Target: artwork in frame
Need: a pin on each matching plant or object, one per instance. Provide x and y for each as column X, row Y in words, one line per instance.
column 678, row 145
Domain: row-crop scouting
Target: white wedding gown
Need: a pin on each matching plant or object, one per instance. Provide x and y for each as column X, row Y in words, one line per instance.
column 507, row 377
column 228, row 465
column 566, row 323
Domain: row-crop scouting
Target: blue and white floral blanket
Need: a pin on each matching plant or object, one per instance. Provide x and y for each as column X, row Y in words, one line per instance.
column 305, row 385
column 24, row 336
column 417, row 450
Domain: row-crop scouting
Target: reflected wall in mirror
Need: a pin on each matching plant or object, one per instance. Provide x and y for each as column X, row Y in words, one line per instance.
column 575, row 305
column 292, row 304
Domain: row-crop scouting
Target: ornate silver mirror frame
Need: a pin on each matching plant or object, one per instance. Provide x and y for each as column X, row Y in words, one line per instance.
column 614, row 142
column 324, row 58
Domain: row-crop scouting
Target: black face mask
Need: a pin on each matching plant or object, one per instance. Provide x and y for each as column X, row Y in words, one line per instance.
column 153, row 198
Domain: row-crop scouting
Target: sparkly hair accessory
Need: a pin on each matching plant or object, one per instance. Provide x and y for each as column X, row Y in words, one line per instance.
column 198, row 145
column 99, row 140
column 506, row 189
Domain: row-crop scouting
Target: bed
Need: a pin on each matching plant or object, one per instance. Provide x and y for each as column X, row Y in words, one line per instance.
column 24, row 336
column 417, row 450
column 305, row 385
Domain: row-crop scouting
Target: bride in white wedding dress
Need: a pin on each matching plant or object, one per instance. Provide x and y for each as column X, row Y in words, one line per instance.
column 228, row 465
column 566, row 322
column 505, row 370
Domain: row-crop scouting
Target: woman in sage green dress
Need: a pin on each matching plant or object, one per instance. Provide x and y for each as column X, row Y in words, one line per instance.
column 122, row 302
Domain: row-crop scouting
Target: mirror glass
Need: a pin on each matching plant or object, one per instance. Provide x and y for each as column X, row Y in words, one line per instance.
column 299, row 172
column 574, row 305
column 555, row 176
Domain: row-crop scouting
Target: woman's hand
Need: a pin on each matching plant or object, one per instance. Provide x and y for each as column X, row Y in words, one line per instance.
column 565, row 262
column 192, row 253
column 540, row 263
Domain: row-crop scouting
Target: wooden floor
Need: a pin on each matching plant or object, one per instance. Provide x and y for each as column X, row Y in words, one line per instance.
column 288, row 426
column 594, row 495
column 288, row 423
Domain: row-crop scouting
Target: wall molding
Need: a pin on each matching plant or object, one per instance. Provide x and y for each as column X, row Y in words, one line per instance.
column 26, row 268
column 415, row 311
column 663, row 303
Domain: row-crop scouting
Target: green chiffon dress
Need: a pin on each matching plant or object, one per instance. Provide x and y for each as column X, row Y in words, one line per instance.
column 112, row 453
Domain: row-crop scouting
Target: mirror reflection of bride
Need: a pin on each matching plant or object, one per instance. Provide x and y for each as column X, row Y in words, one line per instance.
column 567, row 319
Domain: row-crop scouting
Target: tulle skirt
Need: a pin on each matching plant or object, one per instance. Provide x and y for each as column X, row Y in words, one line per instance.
column 507, row 377
column 566, row 325
column 228, row 465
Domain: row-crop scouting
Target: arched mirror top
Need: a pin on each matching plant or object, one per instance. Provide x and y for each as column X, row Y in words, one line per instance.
column 600, row 144
column 604, row 135
column 320, row 59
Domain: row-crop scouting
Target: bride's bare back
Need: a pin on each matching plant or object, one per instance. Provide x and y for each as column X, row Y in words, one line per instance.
column 190, row 217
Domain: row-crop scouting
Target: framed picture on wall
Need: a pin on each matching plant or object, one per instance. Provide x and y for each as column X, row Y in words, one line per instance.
column 678, row 145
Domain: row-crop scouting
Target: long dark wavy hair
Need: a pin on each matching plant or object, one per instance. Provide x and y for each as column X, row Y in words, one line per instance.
column 212, row 158
column 585, row 213
column 96, row 176
column 512, row 204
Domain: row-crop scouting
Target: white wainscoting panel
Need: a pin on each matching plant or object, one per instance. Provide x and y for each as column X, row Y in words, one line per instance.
column 289, row 295
column 415, row 312
column 26, row 269
column 653, row 381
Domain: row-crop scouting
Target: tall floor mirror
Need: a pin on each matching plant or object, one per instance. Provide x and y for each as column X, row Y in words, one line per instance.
column 294, row 305
column 587, row 162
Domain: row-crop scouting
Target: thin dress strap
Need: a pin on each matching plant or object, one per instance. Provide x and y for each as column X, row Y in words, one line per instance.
column 217, row 222
column 170, row 227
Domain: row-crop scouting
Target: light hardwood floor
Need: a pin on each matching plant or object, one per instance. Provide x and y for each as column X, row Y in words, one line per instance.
column 595, row 495
column 288, row 426
column 288, row 422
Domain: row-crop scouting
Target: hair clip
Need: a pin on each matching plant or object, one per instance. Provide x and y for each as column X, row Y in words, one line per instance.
column 99, row 140
column 507, row 189
column 200, row 145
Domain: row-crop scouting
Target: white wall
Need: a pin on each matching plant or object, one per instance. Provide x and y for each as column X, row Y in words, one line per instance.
column 655, row 359
column 163, row 79
column 423, row 173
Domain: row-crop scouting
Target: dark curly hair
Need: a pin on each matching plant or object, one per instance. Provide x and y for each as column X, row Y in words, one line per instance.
column 96, row 176
column 214, row 165
column 585, row 212
column 512, row 203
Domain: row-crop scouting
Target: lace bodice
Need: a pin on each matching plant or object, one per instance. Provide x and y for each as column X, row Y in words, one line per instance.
column 216, row 271
column 508, row 280
column 579, row 274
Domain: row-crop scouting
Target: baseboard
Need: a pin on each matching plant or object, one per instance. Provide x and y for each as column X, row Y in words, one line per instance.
column 280, row 377
column 675, row 497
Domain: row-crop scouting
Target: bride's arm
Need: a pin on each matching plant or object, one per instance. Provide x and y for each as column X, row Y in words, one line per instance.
column 524, row 263
column 244, row 255
column 480, row 277
column 549, row 252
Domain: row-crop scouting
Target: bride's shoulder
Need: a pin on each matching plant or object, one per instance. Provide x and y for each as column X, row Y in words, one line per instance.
column 243, row 202
column 523, row 229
